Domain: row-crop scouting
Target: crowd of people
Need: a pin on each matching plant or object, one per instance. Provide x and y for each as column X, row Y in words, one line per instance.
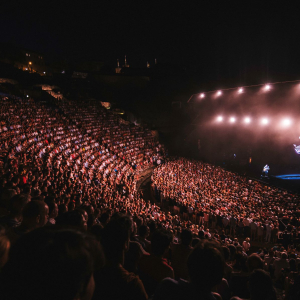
column 215, row 198
column 74, row 226
column 75, row 153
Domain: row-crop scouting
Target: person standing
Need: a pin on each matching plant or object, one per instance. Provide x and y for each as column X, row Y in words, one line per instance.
column 246, row 245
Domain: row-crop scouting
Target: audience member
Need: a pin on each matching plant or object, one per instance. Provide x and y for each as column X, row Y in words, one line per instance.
column 204, row 257
column 113, row 281
column 48, row 264
column 154, row 267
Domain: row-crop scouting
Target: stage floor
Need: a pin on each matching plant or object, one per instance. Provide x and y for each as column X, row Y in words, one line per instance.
column 288, row 177
column 288, row 181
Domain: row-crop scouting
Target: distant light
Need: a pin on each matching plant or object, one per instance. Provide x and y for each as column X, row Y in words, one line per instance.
column 267, row 87
column 44, row 72
column 219, row 119
column 232, row 120
column 202, row 95
column 27, row 96
column 26, row 69
column 286, row 122
column 63, row 72
column 30, row 63
column 247, row 120
column 264, row 121
column 241, row 90
column 219, row 93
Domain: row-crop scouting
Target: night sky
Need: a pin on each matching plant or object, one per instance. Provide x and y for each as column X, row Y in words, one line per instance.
column 240, row 42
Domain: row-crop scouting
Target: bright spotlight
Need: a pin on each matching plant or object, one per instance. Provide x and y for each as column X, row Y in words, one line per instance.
column 219, row 93
column 247, row 120
column 267, row 87
column 219, row 119
column 286, row 122
column 241, row 90
column 202, row 95
column 264, row 121
column 232, row 120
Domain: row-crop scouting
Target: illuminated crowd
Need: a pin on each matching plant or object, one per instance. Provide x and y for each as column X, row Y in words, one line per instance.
column 211, row 196
column 75, row 226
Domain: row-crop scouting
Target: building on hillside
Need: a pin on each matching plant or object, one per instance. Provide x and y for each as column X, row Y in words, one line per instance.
column 119, row 69
column 24, row 59
column 31, row 61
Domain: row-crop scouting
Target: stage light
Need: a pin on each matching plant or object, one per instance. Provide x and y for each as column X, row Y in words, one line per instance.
column 286, row 122
column 202, row 95
column 247, row 120
column 232, row 120
column 219, row 119
column 267, row 87
column 264, row 121
column 241, row 90
column 219, row 93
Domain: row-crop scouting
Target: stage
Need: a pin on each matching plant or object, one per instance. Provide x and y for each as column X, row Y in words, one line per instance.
column 288, row 177
column 288, row 181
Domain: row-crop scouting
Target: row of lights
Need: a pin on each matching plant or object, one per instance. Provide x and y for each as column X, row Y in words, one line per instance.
column 267, row 87
column 286, row 122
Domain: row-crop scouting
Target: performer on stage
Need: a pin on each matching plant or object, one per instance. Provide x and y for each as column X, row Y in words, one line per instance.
column 265, row 171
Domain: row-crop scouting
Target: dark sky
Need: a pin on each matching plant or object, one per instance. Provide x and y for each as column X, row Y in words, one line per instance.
column 221, row 40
